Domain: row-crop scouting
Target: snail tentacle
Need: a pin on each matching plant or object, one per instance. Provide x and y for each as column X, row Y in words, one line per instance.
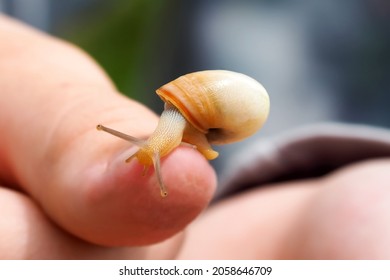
column 157, row 169
column 131, row 139
column 131, row 157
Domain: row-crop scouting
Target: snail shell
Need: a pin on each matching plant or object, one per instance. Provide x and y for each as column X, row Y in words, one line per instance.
column 225, row 106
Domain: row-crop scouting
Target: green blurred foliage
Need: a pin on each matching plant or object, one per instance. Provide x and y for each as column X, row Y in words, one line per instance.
column 128, row 39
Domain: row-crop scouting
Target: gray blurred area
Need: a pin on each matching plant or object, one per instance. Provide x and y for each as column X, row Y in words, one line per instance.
column 320, row 61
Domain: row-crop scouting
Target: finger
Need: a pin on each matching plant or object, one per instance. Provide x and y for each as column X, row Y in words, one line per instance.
column 256, row 224
column 349, row 216
column 78, row 175
column 26, row 233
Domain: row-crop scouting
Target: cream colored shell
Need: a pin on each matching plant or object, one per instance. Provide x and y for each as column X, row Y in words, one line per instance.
column 226, row 106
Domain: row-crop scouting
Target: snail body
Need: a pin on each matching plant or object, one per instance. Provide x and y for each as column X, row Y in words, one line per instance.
column 202, row 108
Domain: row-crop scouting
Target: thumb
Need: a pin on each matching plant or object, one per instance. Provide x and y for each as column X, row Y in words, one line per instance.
column 98, row 196
column 77, row 174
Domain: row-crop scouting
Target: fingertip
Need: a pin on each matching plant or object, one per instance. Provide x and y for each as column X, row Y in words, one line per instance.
column 119, row 206
column 189, row 176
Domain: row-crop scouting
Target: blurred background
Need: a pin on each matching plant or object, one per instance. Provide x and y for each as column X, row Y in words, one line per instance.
column 319, row 60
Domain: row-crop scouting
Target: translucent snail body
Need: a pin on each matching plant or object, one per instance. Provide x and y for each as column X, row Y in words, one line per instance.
column 202, row 108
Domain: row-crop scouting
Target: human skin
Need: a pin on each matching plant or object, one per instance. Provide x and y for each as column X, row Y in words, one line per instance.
column 68, row 194
column 345, row 215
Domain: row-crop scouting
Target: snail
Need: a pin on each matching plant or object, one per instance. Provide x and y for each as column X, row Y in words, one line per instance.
column 201, row 108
